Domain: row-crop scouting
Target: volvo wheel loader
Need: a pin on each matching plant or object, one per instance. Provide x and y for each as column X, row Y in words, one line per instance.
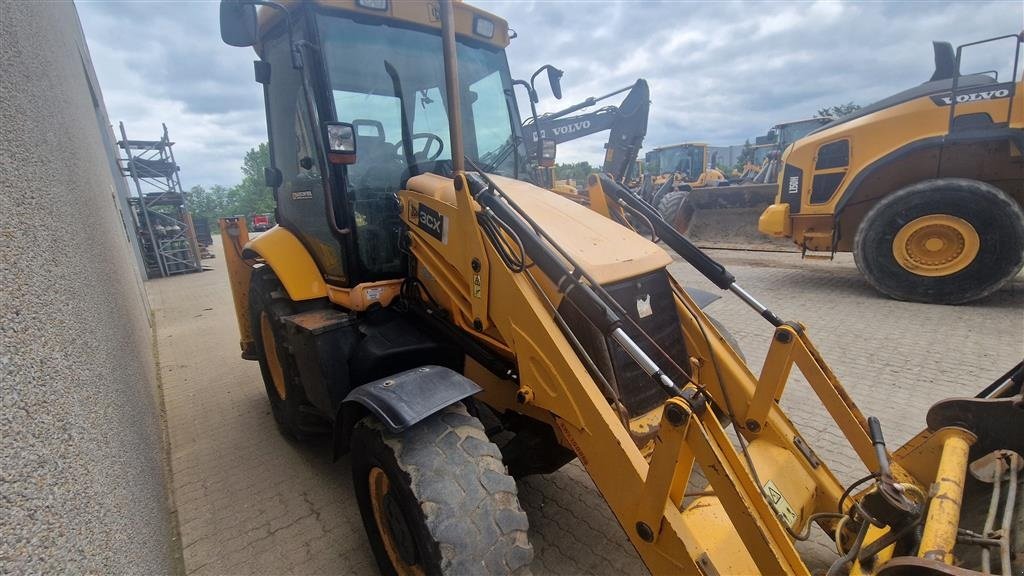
column 925, row 187
column 453, row 327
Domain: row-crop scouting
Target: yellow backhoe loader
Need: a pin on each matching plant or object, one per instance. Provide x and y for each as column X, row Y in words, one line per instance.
column 925, row 187
column 455, row 327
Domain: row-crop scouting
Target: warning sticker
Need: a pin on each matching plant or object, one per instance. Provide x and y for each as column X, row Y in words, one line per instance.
column 373, row 294
column 643, row 306
column 780, row 503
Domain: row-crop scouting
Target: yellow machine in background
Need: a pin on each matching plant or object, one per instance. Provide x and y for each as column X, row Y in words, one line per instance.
column 689, row 165
column 763, row 166
column 454, row 327
column 676, row 171
column 626, row 124
column 925, row 187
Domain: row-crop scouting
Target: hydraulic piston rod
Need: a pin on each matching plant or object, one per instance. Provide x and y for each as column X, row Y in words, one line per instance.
column 940, row 528
column 704, row 264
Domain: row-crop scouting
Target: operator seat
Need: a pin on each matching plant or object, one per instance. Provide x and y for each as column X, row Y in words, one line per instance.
column 370, row 140
column 374, row 179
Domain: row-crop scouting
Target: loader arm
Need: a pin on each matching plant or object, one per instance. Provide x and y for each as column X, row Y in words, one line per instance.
column 762, row 495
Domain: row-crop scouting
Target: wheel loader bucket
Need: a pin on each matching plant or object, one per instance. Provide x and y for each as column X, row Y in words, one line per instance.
column 724, row 216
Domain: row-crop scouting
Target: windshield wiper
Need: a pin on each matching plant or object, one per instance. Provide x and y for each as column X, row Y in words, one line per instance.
column 501, row 154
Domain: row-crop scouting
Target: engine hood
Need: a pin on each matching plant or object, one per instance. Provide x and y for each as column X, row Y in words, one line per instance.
column 606, row 250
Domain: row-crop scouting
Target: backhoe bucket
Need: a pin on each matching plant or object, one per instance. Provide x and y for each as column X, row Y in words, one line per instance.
column 724, row 216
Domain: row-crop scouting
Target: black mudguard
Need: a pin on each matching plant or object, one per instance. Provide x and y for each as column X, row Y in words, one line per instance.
column 402, row 400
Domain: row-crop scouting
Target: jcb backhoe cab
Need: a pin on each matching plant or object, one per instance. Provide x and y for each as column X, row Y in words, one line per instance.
column 453, row 326
column 925, row 187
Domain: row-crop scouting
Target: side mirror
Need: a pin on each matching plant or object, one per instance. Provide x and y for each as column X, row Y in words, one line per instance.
column 238, row 23
column 341, row 142
column 555, row 80
column 547, row 153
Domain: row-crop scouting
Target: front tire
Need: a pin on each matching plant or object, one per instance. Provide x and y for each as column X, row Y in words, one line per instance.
column 436, row 499
column 729, row 338
column 676, row 211
column 943, row 241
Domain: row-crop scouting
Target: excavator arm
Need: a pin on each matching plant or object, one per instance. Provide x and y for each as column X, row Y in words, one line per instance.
column 626, row 123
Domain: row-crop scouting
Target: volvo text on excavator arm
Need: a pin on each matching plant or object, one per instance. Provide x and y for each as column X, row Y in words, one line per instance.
column 626, row 122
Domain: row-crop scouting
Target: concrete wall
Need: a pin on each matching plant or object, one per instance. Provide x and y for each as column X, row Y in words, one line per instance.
column 82, row 478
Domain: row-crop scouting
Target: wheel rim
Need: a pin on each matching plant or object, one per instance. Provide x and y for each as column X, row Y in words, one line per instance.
column 936, row 245
column 270, row 353
column 391, row 525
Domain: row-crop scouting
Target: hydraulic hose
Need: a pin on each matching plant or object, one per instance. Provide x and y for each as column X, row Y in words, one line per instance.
column 567, row 281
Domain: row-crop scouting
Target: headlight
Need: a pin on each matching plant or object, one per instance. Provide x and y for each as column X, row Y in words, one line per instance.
column 373, row 4
column 483, row 27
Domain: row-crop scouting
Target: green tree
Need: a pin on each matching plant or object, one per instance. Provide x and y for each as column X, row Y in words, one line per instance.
column 746, row 155
column 577, row 171
column 206, row 203
column 837, row 111
column 252, row 196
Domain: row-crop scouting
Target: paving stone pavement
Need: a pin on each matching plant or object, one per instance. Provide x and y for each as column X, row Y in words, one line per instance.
column 250, row 502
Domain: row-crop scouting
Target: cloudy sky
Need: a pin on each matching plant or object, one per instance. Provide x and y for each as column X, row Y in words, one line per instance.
column 720, row 72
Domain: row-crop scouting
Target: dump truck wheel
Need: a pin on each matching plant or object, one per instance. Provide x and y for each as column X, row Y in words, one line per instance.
column 268, row 304
column 436, row 499
column 944, row 241
column 674, row 210
column 733, row 342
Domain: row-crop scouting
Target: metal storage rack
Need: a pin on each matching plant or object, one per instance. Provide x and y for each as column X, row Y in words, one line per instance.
column 161, row 216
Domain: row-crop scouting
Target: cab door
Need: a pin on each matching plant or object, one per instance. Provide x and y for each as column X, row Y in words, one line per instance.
column 303, row 200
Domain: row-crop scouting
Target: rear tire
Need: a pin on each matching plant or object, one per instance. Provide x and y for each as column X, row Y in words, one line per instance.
column 733, row 342
column 268, row 305
column 436, row 499
column 943, row 241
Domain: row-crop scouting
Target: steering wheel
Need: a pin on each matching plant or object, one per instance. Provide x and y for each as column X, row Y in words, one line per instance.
column 423, row 155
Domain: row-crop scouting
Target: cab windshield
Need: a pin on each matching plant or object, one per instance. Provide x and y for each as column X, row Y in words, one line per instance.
column 686, row 160
column 375, row 69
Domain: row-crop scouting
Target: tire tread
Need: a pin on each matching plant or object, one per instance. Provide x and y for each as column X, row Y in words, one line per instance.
column 469, row 503
column 980, row 278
